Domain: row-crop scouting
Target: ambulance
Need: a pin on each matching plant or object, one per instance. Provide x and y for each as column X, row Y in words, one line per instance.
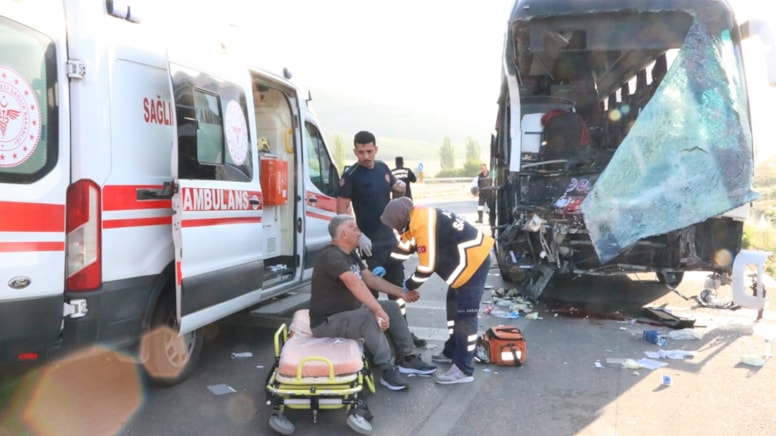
column 145, row 185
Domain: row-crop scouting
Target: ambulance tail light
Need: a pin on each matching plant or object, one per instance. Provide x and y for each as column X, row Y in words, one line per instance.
column 83, row 226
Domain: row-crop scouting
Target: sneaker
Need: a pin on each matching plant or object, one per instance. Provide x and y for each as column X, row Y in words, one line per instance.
column 417, row 341
column 453, row 376
column 441, row 358
column 393, row 380
column 413, row 364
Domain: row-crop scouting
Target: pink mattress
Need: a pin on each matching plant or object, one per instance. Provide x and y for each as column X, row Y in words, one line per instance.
column 344, row 354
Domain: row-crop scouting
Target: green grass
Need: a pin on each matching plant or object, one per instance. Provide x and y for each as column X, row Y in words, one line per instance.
column 759, row 229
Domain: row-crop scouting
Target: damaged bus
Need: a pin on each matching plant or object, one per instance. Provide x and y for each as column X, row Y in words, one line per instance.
column 623, row 139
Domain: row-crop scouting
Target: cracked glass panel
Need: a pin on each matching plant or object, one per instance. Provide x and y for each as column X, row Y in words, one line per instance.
column 688, row 156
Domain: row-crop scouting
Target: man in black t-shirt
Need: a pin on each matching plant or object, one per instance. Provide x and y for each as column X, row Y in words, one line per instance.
column 367, row 187
column 405, row 175
column 341, row 305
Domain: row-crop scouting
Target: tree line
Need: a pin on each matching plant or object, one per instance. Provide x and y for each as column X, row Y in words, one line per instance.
column 471, row 165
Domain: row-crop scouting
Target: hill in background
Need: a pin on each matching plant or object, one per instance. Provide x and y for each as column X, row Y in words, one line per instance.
column 343, row 116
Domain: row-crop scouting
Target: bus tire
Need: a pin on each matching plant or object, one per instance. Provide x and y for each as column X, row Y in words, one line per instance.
column 670, row 278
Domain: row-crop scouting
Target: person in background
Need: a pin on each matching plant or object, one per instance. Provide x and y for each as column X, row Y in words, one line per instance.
column 405, row 175
column 341, row 305
column 460, row 254
column 367, row 187
column 482, row 185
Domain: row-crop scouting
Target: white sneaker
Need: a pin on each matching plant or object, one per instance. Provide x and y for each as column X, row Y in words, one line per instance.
column 453, row 376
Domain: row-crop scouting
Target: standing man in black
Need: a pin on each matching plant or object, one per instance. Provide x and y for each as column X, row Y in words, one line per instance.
column 367, row 187
column 405, row 175
column 484, row 185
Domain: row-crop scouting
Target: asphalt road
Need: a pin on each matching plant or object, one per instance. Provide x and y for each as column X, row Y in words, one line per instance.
column 567, row 386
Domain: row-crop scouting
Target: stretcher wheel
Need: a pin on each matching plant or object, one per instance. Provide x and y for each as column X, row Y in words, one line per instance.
column 358, row 424
column 281, row 424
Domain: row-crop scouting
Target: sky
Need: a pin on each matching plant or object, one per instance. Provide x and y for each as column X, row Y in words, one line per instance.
column 438, row 56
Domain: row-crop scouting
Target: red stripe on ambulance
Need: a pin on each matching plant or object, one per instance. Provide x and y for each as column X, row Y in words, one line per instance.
column 31, row 217
column 17, row 247
column 204, row 222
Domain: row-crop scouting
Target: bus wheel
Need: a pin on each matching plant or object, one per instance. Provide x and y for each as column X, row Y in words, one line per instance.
column 170, row 358
column 670, row 279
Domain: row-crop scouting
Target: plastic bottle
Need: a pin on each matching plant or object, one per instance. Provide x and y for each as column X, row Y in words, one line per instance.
column 654, row 337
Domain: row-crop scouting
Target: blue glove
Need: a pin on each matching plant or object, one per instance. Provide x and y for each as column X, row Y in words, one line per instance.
column 404, row 286
column 379, row 271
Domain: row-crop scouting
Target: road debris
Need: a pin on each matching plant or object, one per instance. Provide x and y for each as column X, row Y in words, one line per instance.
column 241, row 355
column 752, row 360
column 687, row 334
column 670, row 354
column 221, row 389
column 667, row 318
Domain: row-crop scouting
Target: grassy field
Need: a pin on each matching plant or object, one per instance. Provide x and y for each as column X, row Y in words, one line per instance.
column 759, row 230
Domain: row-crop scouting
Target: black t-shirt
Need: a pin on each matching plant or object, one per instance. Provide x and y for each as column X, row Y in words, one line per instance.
column 369, row 190
column 328, row 294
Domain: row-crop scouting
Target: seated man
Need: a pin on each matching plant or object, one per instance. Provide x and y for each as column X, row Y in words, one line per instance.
column 341, row 305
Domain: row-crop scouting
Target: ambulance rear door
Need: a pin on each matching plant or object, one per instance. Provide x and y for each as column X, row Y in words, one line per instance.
column 34, row 178
column 217, row 198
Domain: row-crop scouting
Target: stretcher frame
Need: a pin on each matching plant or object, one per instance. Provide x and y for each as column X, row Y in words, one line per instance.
column 315, row 393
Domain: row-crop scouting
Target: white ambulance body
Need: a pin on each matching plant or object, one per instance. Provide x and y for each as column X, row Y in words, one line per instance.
column 145, row 184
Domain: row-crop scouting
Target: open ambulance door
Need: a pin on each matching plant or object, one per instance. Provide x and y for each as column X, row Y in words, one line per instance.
column 320, row 192
column 217, row 201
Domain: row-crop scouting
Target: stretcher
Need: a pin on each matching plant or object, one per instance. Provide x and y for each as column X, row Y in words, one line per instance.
column 315, row 374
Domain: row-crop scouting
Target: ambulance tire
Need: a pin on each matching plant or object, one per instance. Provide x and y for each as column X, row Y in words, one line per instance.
column 171, row 358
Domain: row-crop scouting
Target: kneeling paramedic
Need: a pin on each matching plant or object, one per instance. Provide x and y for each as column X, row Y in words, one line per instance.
column 460, row 254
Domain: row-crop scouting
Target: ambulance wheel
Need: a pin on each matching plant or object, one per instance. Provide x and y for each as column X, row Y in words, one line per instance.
column 670, row 279
column 170, row 358
column 281, row 424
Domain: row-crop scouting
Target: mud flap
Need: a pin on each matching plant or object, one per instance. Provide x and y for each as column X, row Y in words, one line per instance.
column 534, row 285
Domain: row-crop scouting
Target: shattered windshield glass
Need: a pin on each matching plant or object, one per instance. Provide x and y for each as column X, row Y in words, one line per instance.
column 688, row 156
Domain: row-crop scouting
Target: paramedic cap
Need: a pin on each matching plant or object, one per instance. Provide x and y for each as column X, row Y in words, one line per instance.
column 397, row 213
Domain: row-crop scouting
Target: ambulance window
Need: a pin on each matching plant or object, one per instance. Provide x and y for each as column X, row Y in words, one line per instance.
column 322, row 171
column 213, row 137
column 29, row 134
column 210, row 131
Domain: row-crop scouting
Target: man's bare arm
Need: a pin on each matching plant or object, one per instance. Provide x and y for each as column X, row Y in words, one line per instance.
column 359, row 289
column 381, row 285
column 343, row 205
